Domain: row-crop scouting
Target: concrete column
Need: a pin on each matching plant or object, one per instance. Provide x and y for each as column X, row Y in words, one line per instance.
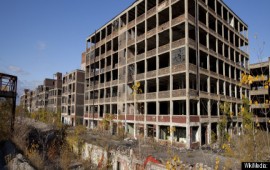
column 209, row 133
column 157, row 132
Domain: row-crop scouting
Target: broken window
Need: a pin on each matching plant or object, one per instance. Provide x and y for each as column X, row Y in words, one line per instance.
column 179, row 107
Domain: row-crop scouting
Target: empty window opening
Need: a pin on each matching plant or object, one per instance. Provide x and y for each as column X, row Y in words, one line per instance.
column 151, row 108
column 151, row 4
column 231, row 37
column 151, row 43
column 221, row 87
column 192, row 81
column 219, row 9
column 220, row 67
column 194, row 134
column 180, row 134
column 140, row 29
column 115, row 60
column 193, row 107
column 237, row 40
column 163, row 16
column 203, row 60
column 140, row 108
column 109, row 61
column 108, row 76
column 179, row 81
column 151, row 131
column 164, row 108
column 213, row 85
column 191, row 32
column 123, row 20
column 151, row 64
column 211, row 4
column 102, row 78
column 114, row 108
column 101, row 93
column 114, row 91
column 164, row 60
column 151, row 86
column 164, row 133
column 227, row 70
column 202, row 15
column 178, row 9
column 101, row 110
column 204, row 106
column 178, row 32
column 233, row 91
column 140, row 67
column 131, row 15
column 232, row 72
column 141, row 47
column 220, row 47
column 115, row 44
column 202, row 37
column 103, row 33
column 115, row 74
column 226, row 51
column 192, row 56
column 219, row 26
column 232, row 54
column 203, row 82
column 108, row 92
column 109, row 29
column 164, row 38
column 226, row 34
column 151, row 23
column 141, row 9
column 212, row 43
column 191, row 8
column 212, row 22
column 109, row 46
column 164, row 83
column 179, row 107
column 214, row 107
column 227, row 89
column 213, row 64
column 103, row 49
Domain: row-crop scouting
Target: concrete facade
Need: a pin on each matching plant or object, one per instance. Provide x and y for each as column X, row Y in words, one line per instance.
column 46, row 96
column 188, row 57
column 73, row 98
column 259, row 91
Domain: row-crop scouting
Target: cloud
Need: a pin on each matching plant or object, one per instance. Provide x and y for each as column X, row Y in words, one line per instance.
column 41, row 45
column 17, row 70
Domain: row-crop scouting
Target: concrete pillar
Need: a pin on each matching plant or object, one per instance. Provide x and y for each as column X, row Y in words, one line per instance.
column 209, row 133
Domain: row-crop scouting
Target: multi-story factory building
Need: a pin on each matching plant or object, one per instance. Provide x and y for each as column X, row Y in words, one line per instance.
column 259, row 91
column 188, row 57
column 73, row 98
column 46, row 96
column 55, row 94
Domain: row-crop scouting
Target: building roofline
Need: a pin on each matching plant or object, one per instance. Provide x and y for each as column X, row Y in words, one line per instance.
column 137, row 1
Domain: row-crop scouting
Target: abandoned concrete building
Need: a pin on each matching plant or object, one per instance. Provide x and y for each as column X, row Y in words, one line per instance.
column 259, row 91
column 73, row 98
column 55, row 94
column 45, row 96
column 188, row 57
